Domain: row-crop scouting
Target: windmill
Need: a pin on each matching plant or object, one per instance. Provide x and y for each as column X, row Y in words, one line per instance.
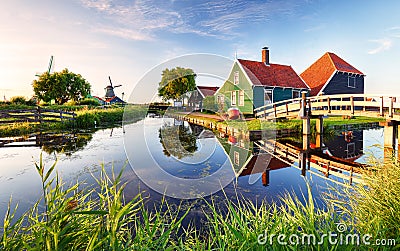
column 110, row 89
column 50, row 68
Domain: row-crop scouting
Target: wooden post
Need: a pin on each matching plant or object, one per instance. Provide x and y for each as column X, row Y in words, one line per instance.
column 303, row 105
column 329, row 105
column 287, row 108
column 381, row 108
column 275, row 110
column 320, row 130
column 351, row 175
column 365, row 100
column 39, row 114
column 352, row 105
column 391, row 107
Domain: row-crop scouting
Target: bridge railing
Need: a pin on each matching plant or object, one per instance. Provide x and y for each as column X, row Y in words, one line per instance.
column 344, row 104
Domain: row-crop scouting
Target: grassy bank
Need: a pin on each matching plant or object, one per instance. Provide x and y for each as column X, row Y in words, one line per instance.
column 98, row 218
column 86, row 118
column 294, row 124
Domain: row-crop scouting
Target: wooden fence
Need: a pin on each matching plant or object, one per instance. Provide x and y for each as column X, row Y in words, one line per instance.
column 35, row 115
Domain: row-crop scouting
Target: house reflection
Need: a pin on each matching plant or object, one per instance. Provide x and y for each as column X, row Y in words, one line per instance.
column 247, row 159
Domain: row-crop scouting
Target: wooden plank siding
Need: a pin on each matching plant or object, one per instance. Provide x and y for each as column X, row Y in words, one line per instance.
column 339, row 84
column 228, row 87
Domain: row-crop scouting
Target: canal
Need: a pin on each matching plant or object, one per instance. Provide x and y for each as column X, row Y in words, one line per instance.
column 167, row 156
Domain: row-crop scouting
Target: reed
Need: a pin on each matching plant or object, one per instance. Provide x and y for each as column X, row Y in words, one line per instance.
column 99, row 218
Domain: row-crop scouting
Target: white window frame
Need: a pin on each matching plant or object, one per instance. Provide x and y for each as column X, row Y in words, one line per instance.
column 241, row 97
column 351, row 82
column 299, row 93
column 233, row 98
column 267, row 102
column 236, row 158
column 236, row 78
column 220, row 99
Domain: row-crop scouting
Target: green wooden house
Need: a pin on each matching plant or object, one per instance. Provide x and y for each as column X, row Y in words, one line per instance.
column 252, row 84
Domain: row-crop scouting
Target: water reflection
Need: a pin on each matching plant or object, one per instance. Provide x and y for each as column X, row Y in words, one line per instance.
column 177, row 139
column 50, row 142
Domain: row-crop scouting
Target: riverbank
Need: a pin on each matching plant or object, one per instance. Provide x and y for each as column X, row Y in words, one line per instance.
column 98, row 218
column 86, row 117
column 280, row 126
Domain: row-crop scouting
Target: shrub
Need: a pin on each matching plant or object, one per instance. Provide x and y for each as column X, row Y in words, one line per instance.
column 89, row 101
column 19, row 100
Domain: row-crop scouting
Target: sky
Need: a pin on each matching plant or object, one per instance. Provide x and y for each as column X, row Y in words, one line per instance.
column 127, row 39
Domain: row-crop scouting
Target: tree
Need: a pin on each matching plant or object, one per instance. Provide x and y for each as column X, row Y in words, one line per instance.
column 61, row 86
column 177, row 140
column 175, row 83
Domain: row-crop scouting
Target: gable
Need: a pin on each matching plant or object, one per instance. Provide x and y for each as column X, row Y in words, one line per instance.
column 321, row 71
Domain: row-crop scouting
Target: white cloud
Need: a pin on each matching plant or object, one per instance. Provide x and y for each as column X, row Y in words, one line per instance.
column 384, row 44
column 212, row 18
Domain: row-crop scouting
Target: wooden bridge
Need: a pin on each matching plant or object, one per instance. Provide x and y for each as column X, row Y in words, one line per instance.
column 346, row 104
column 366, row 105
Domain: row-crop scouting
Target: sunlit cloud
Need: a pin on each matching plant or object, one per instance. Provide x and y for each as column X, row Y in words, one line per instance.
column 384, row 44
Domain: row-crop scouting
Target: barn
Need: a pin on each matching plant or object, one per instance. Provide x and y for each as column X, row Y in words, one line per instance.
column 331, row 75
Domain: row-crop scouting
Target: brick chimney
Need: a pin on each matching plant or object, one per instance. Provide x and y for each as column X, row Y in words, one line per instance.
column 265, row 55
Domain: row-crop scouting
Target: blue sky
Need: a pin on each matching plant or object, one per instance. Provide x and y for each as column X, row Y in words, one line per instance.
column 125, row 39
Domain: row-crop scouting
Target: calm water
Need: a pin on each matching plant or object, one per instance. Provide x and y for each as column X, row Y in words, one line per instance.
column 201, row 156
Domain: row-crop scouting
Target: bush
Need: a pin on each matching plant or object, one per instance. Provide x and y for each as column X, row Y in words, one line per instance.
column 89, row 101
column 18, row 100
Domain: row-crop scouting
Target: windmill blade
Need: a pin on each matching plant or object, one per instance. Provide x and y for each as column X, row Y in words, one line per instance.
column 110, row 80
column 117, row 86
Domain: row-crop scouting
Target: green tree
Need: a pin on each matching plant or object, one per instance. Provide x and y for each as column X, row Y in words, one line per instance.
column 61, row 86
column 175, row 83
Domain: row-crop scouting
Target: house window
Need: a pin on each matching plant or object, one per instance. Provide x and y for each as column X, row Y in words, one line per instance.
column 236, row 158
column 236, row 78
column 296, row 94
column 220, row 99
column 351, row 82
column 233, row 98
column 241, row 98
column 267, row 97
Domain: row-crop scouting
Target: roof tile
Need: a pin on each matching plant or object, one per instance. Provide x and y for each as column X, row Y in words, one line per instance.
column 272, row 74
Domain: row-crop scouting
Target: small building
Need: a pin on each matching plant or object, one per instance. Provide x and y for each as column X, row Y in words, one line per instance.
column 331, row 75
column 195, row 101
column 252, row 84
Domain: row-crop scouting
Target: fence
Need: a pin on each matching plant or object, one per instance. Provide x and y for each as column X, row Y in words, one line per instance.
column 35, row 115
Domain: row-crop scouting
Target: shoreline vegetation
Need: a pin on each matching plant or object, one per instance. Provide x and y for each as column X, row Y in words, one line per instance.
column 87, row 117
column 99, row 218
column 90, row 115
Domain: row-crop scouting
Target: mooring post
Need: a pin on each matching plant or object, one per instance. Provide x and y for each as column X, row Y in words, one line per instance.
column 389, row 139
column 320, row 131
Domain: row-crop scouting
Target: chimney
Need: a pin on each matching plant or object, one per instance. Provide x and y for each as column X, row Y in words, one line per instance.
column 265, row 55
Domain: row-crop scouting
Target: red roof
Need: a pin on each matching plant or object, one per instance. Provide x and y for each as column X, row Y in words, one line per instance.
column 207, row 90
column 272, row 74
column 318, row 74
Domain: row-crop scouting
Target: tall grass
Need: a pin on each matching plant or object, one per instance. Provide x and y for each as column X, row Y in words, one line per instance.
column 99, row 218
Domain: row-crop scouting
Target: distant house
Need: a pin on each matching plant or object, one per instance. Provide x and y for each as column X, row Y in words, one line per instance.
column 109, row 101
column 331, row 75
column 195, row 100
column 252, row 84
